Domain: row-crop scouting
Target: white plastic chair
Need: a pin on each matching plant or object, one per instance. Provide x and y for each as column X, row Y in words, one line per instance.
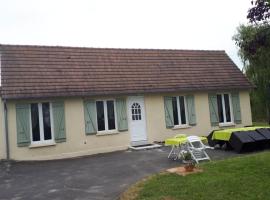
column 197, row 149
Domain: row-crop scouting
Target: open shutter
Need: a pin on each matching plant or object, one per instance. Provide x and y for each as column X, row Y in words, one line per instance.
column 121, row 110
column 213, row 108
column 90, row 117
column 23, row 124
column 59, row 121
column 236, row 108
column 191, row 110
column 168, row 112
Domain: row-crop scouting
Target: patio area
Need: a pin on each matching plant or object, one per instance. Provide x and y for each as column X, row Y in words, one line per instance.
column 97, row 177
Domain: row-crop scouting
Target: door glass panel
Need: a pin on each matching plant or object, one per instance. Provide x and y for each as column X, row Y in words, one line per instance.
column 46, row 121
column 182, row 109
column 175, row 111
column 220, row 109
column 227, row 107
column 136, row 111
column 110, row 113
column 100, row 115
column 35, row 122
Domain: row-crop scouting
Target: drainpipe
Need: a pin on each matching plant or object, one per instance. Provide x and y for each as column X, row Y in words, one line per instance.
column 6, row 130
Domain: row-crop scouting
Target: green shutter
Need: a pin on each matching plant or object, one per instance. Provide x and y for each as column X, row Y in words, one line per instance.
column 213, row 108
column 191, row 110
column 121, row 110
column 236, row 108
column 168, row 112
column 59, row 121
column 90, row 117
column 23, row 124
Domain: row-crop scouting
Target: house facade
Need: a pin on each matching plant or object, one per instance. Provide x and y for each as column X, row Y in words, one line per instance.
column 61, row 102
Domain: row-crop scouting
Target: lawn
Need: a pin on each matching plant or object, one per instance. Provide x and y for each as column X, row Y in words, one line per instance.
column 246, row 177
column 260, row 124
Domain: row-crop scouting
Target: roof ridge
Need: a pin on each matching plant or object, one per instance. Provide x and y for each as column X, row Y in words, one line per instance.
column 109, row 48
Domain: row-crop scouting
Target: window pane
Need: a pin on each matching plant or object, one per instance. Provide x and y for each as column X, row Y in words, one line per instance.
column 35, row 122
column 220, row 109
column 227, row 107
column 175, row 111
column 100, row 116
column 182, row 110
column 110, row 113
column 46, row 121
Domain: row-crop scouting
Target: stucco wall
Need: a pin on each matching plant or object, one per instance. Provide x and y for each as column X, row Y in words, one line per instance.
column 2, row 136
column 79, row 144
column 156, row 127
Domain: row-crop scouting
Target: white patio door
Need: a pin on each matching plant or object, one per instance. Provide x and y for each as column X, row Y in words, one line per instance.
column 137, row 124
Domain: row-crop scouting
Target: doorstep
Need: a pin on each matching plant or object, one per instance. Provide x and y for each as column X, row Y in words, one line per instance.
column 145, row 146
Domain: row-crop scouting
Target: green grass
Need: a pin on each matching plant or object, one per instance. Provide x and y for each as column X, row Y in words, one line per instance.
column 260, row 124
column 246, row 177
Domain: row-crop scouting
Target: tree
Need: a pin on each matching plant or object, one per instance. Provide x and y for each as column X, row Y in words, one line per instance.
column 253, row 41
column 260, row 11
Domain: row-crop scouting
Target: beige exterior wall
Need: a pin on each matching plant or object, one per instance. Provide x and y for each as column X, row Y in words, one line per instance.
column 156, row 127
column 78, row 144
column 2, row 135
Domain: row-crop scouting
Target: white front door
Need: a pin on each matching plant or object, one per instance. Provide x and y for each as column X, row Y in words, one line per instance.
column 136, row 115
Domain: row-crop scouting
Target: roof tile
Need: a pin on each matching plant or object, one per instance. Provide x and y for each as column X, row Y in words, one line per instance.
column 43, row 71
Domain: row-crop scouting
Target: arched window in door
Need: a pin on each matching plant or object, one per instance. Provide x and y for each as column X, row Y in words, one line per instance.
column 136, row 111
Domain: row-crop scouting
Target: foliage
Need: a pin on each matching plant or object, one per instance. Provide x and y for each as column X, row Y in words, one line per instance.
column 259, row 124
column 254, row 48
column 239, row 178
column 253, row 40
column 187, row 156
column 260, row 11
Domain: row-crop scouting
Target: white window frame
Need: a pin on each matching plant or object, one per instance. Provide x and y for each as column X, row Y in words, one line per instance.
column 178, row 112
column 223, row 108
column 106, row 116
column 42, row 141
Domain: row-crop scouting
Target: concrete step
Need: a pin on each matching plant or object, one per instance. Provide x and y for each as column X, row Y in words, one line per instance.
column 145, row 146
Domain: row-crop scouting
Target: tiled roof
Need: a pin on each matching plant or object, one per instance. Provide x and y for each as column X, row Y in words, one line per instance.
column 43, row 71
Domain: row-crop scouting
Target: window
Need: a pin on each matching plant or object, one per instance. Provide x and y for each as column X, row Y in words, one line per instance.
column 224, row 108
column 106, row 115
column 179, row 110
column 136, row 111
column 41, row 123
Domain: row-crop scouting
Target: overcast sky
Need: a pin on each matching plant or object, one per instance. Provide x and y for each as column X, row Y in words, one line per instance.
column 170, row 24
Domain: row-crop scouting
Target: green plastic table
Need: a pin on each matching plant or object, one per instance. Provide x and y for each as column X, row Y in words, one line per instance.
column 179, row 141
column 226, row 133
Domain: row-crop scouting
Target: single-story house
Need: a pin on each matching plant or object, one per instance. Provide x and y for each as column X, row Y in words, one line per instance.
column 59, row 102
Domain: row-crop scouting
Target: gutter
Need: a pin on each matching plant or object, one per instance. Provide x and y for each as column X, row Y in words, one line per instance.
column 6, row 130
